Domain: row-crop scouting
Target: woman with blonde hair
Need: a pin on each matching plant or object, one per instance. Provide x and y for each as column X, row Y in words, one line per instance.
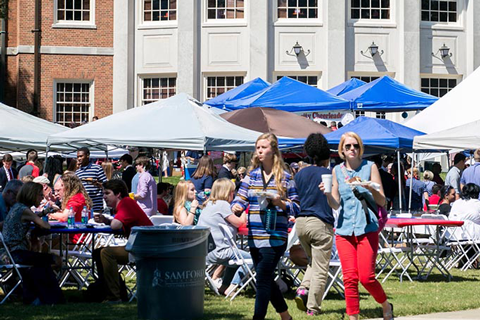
column 73, row 195
column 270, row 191
column 217, row 211
column 186, row 210
column 428, row 180
column 357, row 227
column 108, row 169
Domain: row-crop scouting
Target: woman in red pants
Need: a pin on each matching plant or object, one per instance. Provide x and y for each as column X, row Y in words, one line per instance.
column 357, row 229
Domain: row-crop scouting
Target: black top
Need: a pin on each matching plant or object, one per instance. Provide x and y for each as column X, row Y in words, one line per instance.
column 313, row 202
column 127, row 176
column 225, row 173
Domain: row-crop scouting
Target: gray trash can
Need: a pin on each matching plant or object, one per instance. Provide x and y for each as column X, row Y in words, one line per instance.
column 170, row 263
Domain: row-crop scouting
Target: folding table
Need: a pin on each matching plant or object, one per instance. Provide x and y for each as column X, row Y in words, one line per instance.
column 431, row 251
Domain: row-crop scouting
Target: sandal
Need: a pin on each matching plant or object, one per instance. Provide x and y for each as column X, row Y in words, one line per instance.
column 389, row 314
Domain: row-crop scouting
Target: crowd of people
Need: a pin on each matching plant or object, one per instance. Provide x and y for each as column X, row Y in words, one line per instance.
column 324, row 213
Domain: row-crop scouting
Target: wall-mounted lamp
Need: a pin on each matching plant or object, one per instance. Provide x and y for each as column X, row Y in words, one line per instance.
column 297, row 49
column 373, row 49
column 444, row 52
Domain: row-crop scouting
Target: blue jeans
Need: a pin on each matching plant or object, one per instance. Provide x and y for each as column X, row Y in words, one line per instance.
column 265, row 261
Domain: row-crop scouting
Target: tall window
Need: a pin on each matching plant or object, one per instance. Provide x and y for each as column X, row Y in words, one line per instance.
column 73, row 10
column 226, row 9
column 370, row 9
column 297, row 9
column 73, row 102
column 366, row 79
column 218, row 85
column 439, row 11
column 159, row 10
column 155, row 89
column 380, row 115
column 310, row 80
column 437, row 87
column 359, row 113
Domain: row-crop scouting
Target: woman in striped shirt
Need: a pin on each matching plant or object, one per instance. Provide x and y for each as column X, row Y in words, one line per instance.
column 270, row 192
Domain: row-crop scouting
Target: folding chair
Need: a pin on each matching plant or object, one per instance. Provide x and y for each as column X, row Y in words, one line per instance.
column 9, row 269
column 286, row 264
column 464, row 246
column 391, row 255
column 238, row 260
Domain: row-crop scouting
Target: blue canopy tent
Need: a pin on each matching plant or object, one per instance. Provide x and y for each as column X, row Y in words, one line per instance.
column 290, row 95
column 346, row 86
column 378, row 135
column 241, row 91
column 387, row 94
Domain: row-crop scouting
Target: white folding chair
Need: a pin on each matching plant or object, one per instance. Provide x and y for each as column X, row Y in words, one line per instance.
column 9, row 269
column 238, row 260
column 391, row 255
column 161, row 219
column 286, row 264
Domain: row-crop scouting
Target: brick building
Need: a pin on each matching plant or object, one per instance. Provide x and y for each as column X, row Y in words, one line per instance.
column 76, row 58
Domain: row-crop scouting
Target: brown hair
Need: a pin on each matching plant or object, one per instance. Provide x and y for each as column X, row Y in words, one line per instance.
column 278, row 168
column 229, row 157
column 205, row 167
column 342, row 143
column 72, row 185
column 143, row 161
column 28, row 193
column 7, row 157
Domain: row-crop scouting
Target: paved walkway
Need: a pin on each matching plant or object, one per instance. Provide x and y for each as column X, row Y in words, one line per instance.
column 460, row 315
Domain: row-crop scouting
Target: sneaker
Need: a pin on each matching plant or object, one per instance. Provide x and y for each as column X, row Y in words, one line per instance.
column 312, row 313
column 301, row 299
column 217, row 283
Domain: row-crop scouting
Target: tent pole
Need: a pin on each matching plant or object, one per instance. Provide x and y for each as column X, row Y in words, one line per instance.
column 160, row 172
column 399, row 181
column 46, row 158
column 411, row 183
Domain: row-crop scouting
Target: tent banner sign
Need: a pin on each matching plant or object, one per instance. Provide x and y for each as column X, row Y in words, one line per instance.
column 318, row 116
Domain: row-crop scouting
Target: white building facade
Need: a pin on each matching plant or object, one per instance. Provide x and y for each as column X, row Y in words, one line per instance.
column 205, row 47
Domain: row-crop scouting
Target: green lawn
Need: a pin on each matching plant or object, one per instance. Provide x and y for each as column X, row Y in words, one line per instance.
column 433, row 295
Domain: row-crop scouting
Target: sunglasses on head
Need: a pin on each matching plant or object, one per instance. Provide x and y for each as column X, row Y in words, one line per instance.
column 349, row 146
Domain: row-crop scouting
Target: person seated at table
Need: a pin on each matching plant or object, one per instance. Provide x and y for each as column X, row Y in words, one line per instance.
column 73, row 195
column 40, row 285
column 162, row 192
column 186, row 210
column 128, row 214
column 203, row 177
column 448, row 197
column 216, row 211
column 467, row 208
column 419, row 191
column 435, row 198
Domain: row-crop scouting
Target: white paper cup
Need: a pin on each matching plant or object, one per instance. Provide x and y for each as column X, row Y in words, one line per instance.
column 327, row 182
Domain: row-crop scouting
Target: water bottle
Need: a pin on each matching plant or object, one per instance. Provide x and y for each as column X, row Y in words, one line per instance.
column 270, row 218
column 84, row 215
column 71, row 218
column 201, row 197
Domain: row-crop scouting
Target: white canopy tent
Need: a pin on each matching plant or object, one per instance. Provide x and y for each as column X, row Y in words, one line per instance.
column 175, row 123
column 22, row 131
column 459, row 106
column 463, row 137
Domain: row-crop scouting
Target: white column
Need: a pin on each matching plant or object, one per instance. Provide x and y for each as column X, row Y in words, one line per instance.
column 123, row 47
column 409, row 37
column 261, row 44
column 335, row 24
column 188, row 76
column 472, row 52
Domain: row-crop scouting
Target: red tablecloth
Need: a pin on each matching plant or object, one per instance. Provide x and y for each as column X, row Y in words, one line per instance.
column 243, row 230
column 405, row 222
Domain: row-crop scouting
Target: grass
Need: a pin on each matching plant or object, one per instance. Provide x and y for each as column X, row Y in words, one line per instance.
column 409, row 298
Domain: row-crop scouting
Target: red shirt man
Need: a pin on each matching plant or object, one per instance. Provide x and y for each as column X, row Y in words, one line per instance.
column 128, row 214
